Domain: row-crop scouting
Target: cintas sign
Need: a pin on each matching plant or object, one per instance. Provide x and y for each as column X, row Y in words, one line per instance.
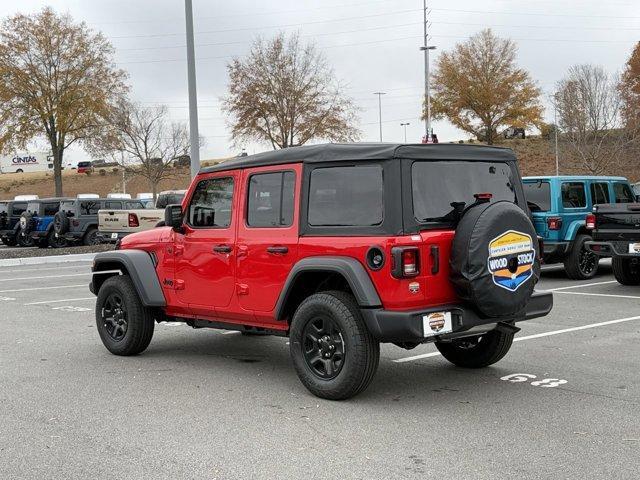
column 27, row 159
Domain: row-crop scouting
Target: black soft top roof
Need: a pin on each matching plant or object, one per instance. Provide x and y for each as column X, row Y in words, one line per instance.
column 331, row 152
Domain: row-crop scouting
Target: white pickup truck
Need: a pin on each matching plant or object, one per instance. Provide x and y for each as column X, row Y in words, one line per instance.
column 116, row 224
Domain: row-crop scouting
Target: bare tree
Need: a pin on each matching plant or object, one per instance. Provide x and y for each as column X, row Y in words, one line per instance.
column 589, row 114
column 57, row 80
column 145, row 143
column 285, row 94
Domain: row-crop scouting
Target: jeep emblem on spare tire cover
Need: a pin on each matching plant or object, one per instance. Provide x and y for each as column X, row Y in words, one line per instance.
column 511, row 257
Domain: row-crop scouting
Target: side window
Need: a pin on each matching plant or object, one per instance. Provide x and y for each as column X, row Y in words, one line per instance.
column 210, row 205
column 346, row 196
column 271, row 197
column 133, row 206
column 50, row 209
column 599, row 193
column 623, row 193
column 573, row 195
column 113, row 205
column 89, row 208
column 18, row 209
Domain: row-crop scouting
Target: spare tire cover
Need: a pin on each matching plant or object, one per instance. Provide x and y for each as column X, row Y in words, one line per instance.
column 495, row 258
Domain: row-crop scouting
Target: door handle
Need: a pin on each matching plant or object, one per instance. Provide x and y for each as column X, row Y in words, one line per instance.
column 222, row 249
column 435, row 256
column 277, row 250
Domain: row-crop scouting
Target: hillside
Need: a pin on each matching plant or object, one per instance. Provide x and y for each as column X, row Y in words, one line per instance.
column 536, row 157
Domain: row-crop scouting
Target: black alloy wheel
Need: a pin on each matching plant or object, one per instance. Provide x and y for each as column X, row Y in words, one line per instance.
column 114, row 317
column 587, row 262
column 323, row 347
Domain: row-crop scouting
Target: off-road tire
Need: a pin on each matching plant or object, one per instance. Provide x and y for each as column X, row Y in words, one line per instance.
column 625, row 271
column 24, row 240
column 489, row 348
column 91, row 237
column 9, row 242
column 42, row 242
column 361, row 349
column 140, row 321
column 55, row 242
column 572, row 263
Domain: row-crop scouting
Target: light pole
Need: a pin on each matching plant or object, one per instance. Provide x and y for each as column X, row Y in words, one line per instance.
column 194, row 137
column 405, row 130
column 555, row 130
column 380, row 109
column 425, row 48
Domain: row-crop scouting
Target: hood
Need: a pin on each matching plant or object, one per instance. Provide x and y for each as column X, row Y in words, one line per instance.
column 155, row 235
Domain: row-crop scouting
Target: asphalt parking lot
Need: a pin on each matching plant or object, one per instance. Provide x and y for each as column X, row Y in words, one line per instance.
column 564, row 403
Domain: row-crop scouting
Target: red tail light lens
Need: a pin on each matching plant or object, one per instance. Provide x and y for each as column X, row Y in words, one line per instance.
column 133, row 220
column 406, row 262
column 591, row 221
column 554, row 223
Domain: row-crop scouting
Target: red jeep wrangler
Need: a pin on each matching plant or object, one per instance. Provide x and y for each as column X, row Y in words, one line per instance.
column 339, row 247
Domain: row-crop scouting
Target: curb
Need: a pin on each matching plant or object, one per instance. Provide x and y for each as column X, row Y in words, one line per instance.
column 16, row 262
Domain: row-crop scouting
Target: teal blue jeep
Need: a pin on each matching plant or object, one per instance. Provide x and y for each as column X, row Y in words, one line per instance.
column 559, row 206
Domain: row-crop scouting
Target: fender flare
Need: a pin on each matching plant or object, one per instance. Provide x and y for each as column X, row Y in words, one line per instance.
column 351, row 269
column 572, row 230
column 140, row 267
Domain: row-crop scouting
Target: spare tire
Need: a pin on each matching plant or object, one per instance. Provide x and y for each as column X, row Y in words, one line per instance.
column 27, row 223
column 3, row 220
column 495, row 259
column 60, row 223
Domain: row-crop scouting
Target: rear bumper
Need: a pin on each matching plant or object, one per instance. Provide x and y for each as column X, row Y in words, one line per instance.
column 72, row 236
column 108, row 237
column 611, row 249
column 398, row 327
column 555, row 251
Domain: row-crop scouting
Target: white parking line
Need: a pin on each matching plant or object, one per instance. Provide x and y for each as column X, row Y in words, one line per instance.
column 579, row 286
column 22, row 270
column 60, row 301
column 598, row 294
column 51, row 276
column 531, row 337
column 43, row 288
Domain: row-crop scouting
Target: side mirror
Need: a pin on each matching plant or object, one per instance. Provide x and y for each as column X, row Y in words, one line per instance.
column 173, row 216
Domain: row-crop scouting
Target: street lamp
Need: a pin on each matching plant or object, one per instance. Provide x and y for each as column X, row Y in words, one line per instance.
column 427, row 121
column 405, row 130
column 380, row 109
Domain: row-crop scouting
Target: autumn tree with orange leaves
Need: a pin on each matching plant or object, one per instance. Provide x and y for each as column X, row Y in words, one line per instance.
column 630, row 89
column 479, row 88
column 57, row 81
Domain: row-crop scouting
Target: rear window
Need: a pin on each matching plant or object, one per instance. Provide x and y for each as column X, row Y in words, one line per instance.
column 538, row 195
column 573, row 195
column 623, row 193
column 133, row 206
column 18, row 209
column 442, row 190
column 69, row 208
column 113, row 205
column 89, row 208
column 84, row 164
column 169, row 199
column 4, row 208
column 33, row 207
column 50, row 209
column 346, row 196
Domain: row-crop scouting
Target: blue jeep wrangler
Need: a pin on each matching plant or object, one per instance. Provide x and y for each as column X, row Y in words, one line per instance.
column 37, row 222
column 559, row 206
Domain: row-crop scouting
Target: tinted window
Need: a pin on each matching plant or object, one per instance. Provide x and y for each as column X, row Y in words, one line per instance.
column 573, row 195
column 341, row 196
column 50, row 209
column 538, row 196
column 169, row 199
column 89, row 208
column 270, row 202
column 18, row 209
column 210, row 205
column 84, row 164
column 599, row 193
column 133, row 206
column 442, row 190
column 623, row 193
column 113, row 205
column 4, row 208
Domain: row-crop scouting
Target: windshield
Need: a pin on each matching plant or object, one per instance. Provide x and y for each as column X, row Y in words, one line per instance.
column 442, row 191
column 538, row 195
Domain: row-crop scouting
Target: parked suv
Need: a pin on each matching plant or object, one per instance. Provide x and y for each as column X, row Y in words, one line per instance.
column 77, row 220
column 560, row 205
column 338, row 247
column 10, row 212
column 37, row 222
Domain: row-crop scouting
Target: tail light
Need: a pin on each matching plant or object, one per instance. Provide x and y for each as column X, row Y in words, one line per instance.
column 406, row 262
column 133, row 220
column 554, row 223
column 591, row 221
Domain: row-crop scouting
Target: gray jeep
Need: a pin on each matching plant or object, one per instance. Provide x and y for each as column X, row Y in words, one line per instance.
column 77, row 220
